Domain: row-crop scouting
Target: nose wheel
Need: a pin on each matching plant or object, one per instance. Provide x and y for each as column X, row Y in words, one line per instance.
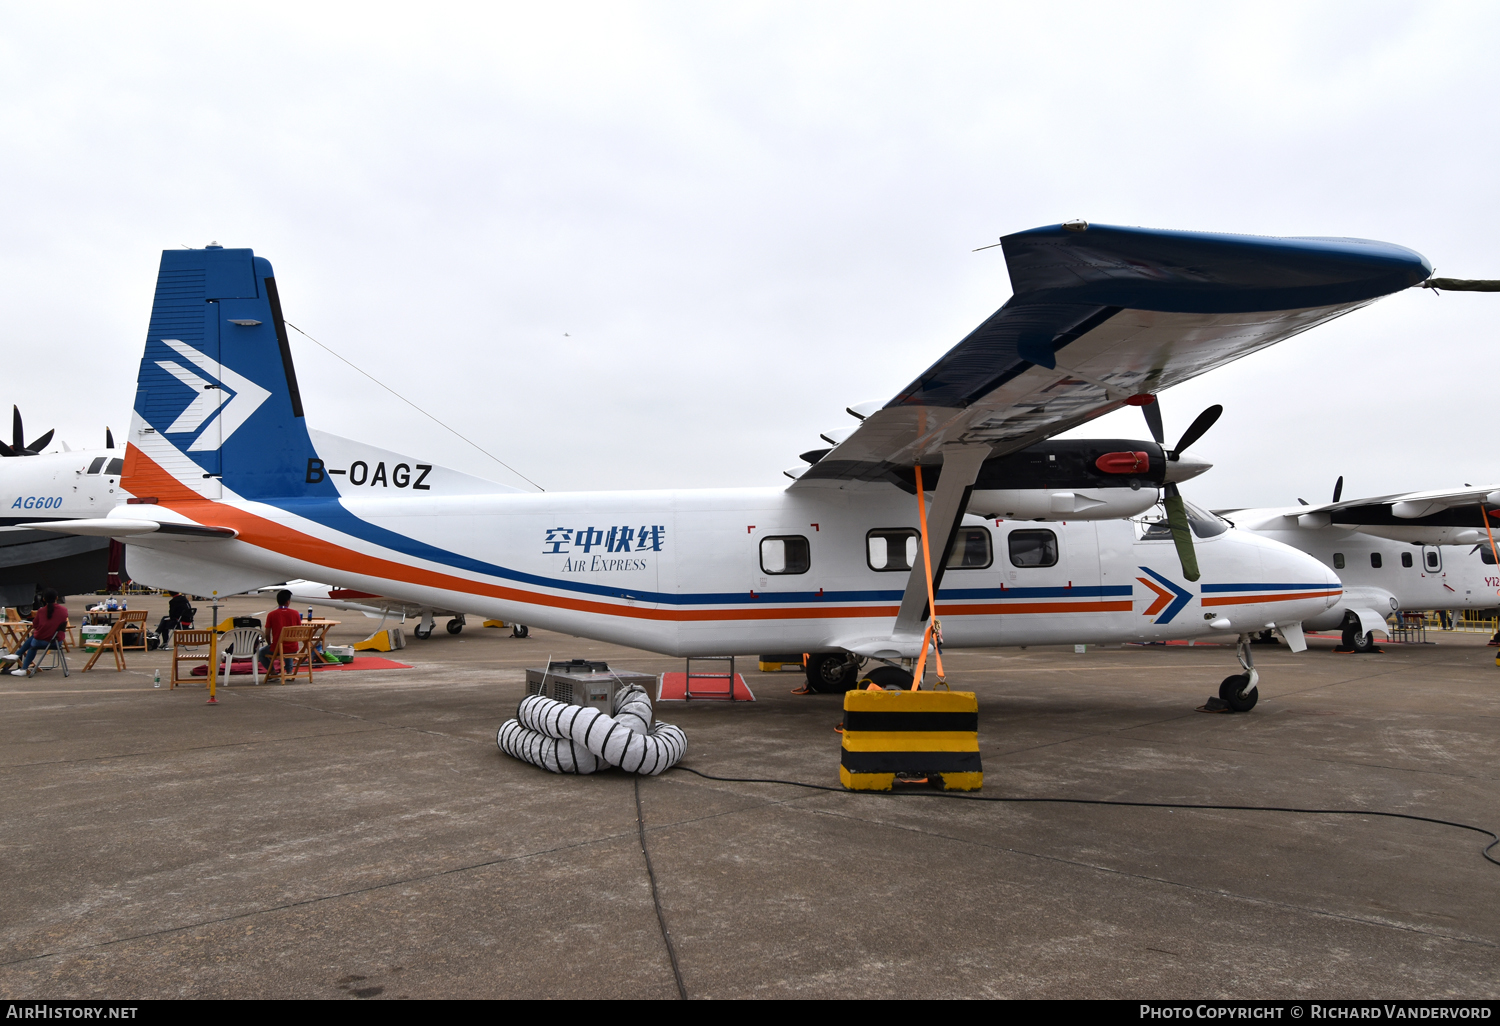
column 1239, row 692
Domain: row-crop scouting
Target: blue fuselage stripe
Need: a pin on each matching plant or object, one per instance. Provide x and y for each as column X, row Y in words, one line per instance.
column 1267, row 587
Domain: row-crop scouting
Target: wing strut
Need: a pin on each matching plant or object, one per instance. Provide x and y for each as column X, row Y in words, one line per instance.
column 960, row 471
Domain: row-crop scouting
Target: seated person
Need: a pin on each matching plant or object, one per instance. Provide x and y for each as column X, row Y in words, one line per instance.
column 179, row 614
column 277, row 619
column 46, row 624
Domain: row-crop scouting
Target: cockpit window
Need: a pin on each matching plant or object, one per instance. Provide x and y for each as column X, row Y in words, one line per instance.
column 1203, row 524
column 115, row 466
column 98, row 463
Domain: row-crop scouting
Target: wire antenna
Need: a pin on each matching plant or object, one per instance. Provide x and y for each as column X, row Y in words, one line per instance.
column 414, row 406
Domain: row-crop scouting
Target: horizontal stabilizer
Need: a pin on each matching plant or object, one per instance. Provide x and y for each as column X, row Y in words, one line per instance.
column 119, row 527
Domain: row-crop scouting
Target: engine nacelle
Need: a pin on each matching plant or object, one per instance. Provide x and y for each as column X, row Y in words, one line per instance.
column 1061, row 504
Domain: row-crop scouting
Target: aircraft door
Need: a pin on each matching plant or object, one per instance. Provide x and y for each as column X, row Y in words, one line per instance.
column 1432, row 559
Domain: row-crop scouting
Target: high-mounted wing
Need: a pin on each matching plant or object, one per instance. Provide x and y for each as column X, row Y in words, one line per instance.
column 1457, row 507
column 1102, row 313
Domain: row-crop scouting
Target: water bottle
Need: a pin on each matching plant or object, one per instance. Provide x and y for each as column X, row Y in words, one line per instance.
column 156, row 682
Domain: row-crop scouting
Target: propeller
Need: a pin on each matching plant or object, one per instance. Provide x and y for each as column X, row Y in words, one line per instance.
column 19, row 446
column 1338, row 488
column 1177, row 520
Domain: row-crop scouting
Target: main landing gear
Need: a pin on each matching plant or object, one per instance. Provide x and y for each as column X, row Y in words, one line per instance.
column 456, row 624
column 832, row 672
column 1356, row 638
column 1239, row 692
column 423, row 630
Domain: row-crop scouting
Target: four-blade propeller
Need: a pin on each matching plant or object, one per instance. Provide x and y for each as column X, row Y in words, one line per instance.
column 1177, row 518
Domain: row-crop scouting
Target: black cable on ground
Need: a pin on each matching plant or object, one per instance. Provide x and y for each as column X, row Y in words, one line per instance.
column 1485, row 851
column 661, row 918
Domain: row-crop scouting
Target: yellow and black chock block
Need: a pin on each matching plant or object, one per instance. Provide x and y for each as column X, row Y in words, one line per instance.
column 911, row 735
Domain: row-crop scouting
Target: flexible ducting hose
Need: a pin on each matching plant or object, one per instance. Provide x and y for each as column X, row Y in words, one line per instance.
column 563, row 738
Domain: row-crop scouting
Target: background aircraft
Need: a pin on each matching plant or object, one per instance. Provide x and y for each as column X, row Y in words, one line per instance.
column 1409, row 551
column 304, row 592
column 231, row 490
column 37, row 485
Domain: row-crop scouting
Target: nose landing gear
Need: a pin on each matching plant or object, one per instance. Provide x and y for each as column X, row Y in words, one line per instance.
column 1239, row 692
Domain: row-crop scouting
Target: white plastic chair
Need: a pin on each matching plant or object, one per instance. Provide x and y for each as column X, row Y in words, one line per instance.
column 242, row 642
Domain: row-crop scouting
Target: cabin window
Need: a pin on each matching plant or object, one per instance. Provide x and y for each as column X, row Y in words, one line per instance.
column 971, row 550
column 1432, row 560
column 115, row 466
column 786, row 554
column 1406, row 559
column 1375, row 560
column 98, row 463
column 891, row 548
column 1486, row 556
column 1338, row 561
column 1032, row 548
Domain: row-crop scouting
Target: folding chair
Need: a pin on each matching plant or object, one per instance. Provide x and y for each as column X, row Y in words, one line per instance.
column 114, row 640
column 303, row 635
column 240, row 642
column 135, row 637
column 190, row 646
column 56, row 649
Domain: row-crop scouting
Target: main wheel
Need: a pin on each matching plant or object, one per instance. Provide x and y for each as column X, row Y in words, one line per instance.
column 1232, row 691
column 519, row 630
column 454, row 626
column 421, row 633
column 830, row 673
column 891, row 678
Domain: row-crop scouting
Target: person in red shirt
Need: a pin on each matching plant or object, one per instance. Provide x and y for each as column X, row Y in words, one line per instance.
column 46, row 624
column 278, row 618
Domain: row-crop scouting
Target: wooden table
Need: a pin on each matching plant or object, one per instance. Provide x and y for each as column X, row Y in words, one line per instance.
column 324, row 627
column 13, row 633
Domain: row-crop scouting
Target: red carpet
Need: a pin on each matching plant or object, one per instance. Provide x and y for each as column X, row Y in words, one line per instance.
column 708, row 689
column 363, row 663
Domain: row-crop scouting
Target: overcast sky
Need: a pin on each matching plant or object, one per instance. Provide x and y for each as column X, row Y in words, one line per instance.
column 665, row 245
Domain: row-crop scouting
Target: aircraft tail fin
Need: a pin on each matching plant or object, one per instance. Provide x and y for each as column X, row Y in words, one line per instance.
column 218, row 413
column 217, row 407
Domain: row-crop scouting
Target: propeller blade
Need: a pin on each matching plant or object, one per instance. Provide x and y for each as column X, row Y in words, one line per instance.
column 1338, row 488
column 1303, row 501
column 1198, row 428
column 1152, row 411
column 38, row 444
column 17, row 439
column 6, row 450
column 1182, row 534
column 109, row 439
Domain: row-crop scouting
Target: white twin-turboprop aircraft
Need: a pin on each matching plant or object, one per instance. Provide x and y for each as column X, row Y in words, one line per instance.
column 230, row 490
column 1414, row 550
